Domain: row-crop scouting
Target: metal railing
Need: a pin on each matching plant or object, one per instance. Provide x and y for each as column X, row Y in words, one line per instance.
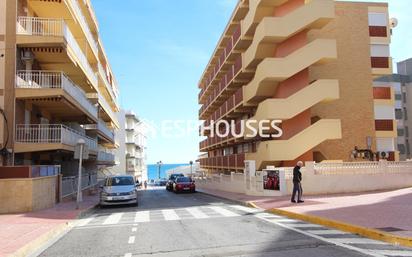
column 106, row 82
column 35, row 26
column 54, row 79
column 45, row 170
column 106, row 107
column 84, row 25
column 49, row 134
column 101, row 126
column 69, row 184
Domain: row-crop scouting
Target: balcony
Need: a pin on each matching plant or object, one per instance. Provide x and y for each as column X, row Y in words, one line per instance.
column 71, row 12
column 272, row 30
column 103, row 131
column 39, row 137
column 54, row 91
column 274, row 70
column 33, row 32
column 227, row 162
column 108, row 88
column 274, row 151
column 284, row 109
column 384, row 96
column 107, row 114
column 105, row 158
column 381, row 66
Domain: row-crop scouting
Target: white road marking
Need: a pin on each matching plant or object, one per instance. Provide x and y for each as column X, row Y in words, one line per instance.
column 134, row 229
column 113, row 219
column 395, row 253
column 331, row 241
column 170, row 215
column 357, row 241
column 223, row 211
column 246, row 209
column 131, row 239
column 288, row 221
column 128, row 255
column 304, row 225
column 265, row 215
column 84, row 222
column 197, row 213
column 142, row 216
column 326, row 232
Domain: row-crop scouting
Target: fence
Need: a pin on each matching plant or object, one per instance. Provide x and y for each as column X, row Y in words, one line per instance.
column 69, row 184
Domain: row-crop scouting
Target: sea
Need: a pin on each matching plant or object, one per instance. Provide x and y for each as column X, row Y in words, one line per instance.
column 152, row 169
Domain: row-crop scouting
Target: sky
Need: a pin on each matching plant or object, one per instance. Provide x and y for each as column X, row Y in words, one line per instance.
column 158, row 49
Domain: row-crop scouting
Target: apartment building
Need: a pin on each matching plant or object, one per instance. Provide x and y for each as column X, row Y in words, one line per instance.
column 131, row 153
column 310, row 64
column 56, row 85
column 402, row 85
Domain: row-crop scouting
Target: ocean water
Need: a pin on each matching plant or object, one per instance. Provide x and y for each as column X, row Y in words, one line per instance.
column 152, row 170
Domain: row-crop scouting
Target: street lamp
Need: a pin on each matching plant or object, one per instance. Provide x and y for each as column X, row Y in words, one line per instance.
column 159, row 165
column 191, row 168
column 81, row 144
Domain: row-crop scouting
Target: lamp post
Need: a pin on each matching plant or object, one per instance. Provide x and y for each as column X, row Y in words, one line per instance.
column 159, row 165
column 79, row 199
column 191, row 168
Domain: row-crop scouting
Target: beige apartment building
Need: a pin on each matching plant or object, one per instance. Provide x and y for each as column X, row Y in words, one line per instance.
column 56, row 85
column 310, row 64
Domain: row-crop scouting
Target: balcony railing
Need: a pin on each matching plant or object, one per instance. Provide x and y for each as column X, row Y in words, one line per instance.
column 105, row 157
column 84, row 25
column 51, row 134
column 54, row 80
column 34, row 26
column 106, row 107
column 106, row 82
column 102, row 127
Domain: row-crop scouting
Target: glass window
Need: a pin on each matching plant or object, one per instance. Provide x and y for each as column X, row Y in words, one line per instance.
column 398, row 97
column 401, row 132
column 398, row 114
column 402, row 149
column 119, row 181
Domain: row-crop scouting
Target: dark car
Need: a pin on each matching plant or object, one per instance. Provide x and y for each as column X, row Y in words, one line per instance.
column 172, row 177
column 184, row 184
column 162, row 182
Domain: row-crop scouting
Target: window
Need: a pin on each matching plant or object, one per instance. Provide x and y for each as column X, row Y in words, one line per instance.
column 398, row 97
column 398, row 114
column 402, row 149
column 401, row 132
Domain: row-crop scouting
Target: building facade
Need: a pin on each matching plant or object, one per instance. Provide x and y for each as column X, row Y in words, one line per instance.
column 56, row 86
column 309, row 64
column 402, row 85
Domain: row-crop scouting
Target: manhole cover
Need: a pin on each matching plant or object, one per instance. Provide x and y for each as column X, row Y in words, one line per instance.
column 390, row 229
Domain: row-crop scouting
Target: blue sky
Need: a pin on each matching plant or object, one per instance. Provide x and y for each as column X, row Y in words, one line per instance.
column 158, row 50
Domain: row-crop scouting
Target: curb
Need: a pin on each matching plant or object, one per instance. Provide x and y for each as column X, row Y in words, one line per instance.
column 354, row 229
column 37, row 246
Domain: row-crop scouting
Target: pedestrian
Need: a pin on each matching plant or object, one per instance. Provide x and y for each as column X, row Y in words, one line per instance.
column 145, row 184
column 297, row 183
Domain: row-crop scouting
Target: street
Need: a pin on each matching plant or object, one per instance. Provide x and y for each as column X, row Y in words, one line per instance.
column 168, row 224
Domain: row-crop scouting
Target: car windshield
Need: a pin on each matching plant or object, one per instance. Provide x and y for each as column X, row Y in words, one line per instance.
column 174, row 176
column 119, row 181
column 184, row 179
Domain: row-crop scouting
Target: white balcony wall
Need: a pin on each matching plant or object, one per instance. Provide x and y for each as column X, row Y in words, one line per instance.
column 385, row 144
column 380, row 51
column 384, row 112
column 378, row 19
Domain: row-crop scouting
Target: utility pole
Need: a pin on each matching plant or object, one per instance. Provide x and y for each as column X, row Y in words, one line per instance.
column 159, row 165
column 191, row 169
column 79, row 199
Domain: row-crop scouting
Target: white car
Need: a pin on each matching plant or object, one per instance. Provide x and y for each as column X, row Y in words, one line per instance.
column 118, row 190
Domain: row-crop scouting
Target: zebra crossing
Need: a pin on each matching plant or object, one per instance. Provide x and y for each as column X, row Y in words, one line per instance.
column 350, row 241
column 200, row 212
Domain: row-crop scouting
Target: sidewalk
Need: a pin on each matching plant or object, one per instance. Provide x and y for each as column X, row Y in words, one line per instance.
column 389, row 212
column 21, row 234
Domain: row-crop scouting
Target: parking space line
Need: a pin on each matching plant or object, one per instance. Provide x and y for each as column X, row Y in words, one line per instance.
column 223, row 211
column 113, row 218
column 142, row 216
column 197, row 213
column 170, row 215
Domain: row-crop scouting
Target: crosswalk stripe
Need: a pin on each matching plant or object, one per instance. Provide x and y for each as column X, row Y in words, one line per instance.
column 357, row 241
column 134, row 229
column 170, row 215
column 142, row 216
column 326, row 232
column 304, row 225
column 287, row 221
column 84, row 222
column 113, row 219
column 245, row 209
column 128, row 255
column 394, row 253
column 131, row 239
column 197, row 213
column 223, row 211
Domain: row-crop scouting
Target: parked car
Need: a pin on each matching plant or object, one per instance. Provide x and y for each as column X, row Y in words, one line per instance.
column 172, row 177
column 184, row 184
column 118, row 190
column 162, row 182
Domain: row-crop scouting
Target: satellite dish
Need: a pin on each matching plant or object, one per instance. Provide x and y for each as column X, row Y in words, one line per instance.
column 394, row 22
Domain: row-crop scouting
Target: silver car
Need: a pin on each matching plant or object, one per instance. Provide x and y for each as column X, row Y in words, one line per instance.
column 118, row 190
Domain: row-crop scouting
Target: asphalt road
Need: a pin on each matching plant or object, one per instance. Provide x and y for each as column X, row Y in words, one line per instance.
column 166, row 224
